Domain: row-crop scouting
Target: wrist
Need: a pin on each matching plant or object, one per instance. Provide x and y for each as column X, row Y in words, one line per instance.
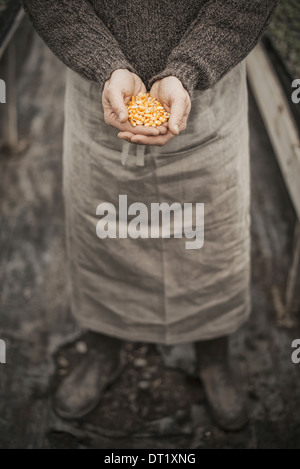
column 107, row 74
column 185, row 73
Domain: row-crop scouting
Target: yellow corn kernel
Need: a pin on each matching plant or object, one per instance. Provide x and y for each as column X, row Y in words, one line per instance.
column 146, row 110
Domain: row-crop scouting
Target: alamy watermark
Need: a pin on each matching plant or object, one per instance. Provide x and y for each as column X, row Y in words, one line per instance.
column 296, row 94
column 296, row 353
column 162, row 220
column 2, row 92
column 2, row 351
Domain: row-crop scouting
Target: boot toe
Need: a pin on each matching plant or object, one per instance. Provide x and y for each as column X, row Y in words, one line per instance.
column 81, row 391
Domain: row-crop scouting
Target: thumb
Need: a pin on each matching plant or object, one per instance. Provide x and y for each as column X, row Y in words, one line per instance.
column 176, row 115
column 117, row 103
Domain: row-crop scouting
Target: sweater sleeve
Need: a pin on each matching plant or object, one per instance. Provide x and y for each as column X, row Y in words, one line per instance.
column 222, row 35
column 77, row 36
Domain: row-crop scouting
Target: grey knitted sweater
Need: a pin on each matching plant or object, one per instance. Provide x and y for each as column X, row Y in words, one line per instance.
column 198, row 41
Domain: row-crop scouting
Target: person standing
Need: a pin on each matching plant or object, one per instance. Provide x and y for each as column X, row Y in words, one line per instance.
column 190, row 55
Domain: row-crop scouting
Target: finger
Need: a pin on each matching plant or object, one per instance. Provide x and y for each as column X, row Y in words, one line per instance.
column 112, row 120
column 125, row 136
column 178, row 110
column 140, row 89
column 127, row 127
column 117, row 103
column 162, row 129
column 139, row 129
column 146, row 140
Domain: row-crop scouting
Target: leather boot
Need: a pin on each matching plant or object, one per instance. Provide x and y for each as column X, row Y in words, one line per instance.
column 225, row 396
column 82, row 390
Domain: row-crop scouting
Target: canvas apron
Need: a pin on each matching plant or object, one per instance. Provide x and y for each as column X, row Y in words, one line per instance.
column 154, row 289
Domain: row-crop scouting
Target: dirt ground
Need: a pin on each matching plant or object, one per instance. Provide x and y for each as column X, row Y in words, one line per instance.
column 158, row 402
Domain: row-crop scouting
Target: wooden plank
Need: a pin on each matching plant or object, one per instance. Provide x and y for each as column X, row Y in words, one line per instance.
column 278, row 119
column 10, row 124
column 293, row 282
column 9, row 134
column 14, row 27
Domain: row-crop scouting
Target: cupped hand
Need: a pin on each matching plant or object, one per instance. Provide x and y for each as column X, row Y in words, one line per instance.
column 116, row 94
column 176, row 100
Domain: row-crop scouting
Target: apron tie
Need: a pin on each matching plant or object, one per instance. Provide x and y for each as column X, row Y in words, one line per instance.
column 140, row 154
column 125, row 152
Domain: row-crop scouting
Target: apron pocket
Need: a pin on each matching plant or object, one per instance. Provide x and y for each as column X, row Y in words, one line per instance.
column 189, row 148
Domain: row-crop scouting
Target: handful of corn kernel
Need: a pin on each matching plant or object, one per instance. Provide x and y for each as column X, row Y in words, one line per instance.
column 147, row 111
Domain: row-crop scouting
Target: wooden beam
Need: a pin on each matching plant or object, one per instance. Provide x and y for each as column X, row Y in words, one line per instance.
column 16, row 23
column 293, row 281
column 278, row 119
column 9, row 134
column 9, row 137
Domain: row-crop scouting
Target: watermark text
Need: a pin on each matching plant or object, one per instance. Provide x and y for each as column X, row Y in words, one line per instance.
column 2, row 351
column 162, row 220
column 2, row 92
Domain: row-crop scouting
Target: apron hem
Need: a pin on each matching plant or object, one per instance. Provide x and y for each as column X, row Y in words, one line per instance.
column 131, row 335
